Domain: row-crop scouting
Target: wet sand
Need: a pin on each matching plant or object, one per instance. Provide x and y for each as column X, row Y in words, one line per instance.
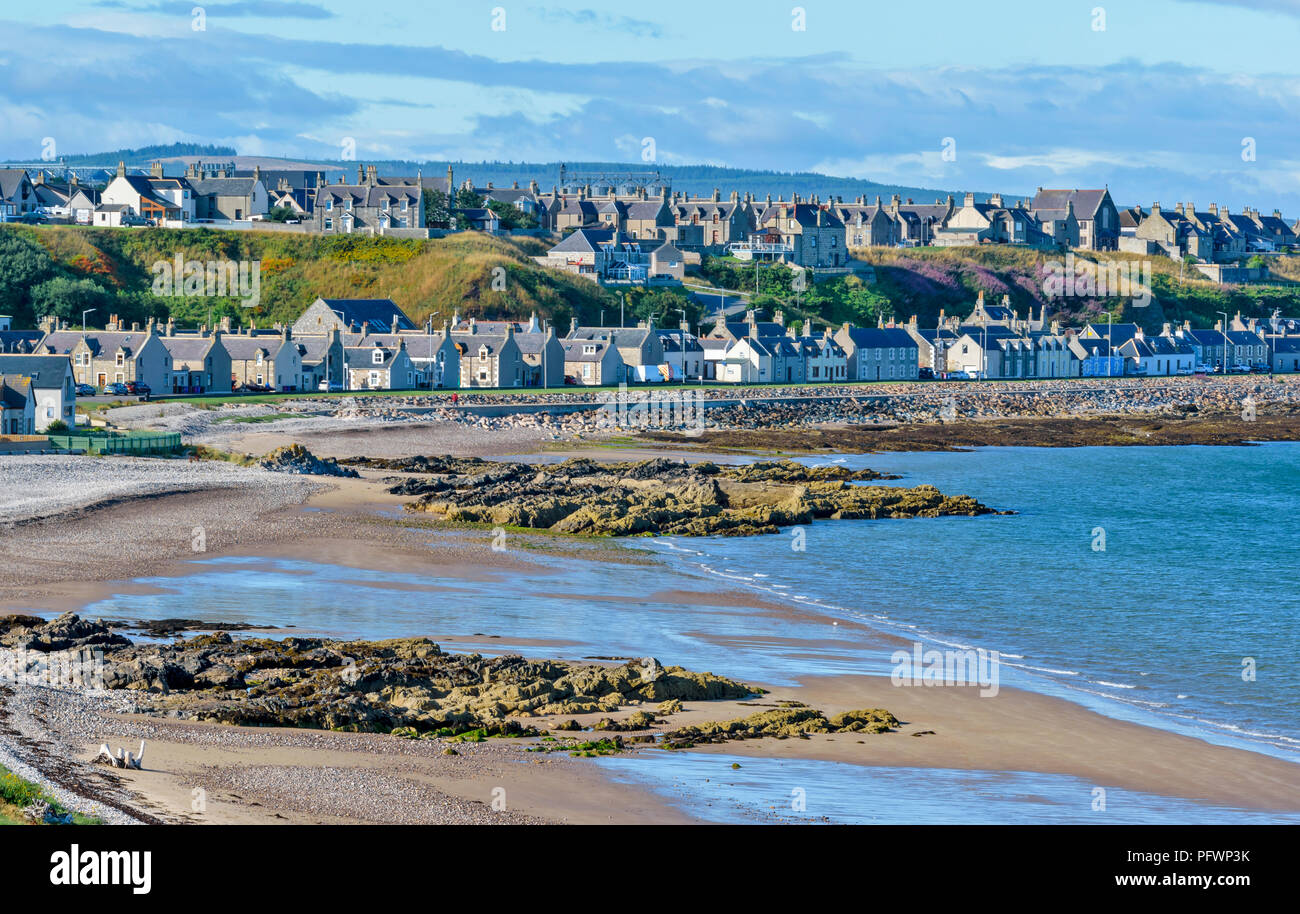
column 256, row 778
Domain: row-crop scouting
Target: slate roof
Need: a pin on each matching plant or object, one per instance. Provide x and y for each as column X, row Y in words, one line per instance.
column 359, row 357
column 374, row 313
column 15, row 391
column 223, row 187
column 1086, row 202
column 187, row 348
column 244, row 348
column 46, row 371
column 884, row 337
column 11, row 180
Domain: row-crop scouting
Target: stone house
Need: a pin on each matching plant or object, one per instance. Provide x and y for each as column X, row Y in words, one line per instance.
column 434, row 355
column 1097, row 217
column 639, row 347
column 265, row 358
column 592, row 363
column 799, row 233
column 198, row 363
column 370, row 207
column 101, row 357
column 378, row 367
column 489, row 359
column 710, row 224
column 993, row 223
column 352, row 315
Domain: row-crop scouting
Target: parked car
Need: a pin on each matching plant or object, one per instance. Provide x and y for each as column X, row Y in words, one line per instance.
column 1201, row 369
column 138, row 388
column 116, row 389
column 1240, row 369
column 86, row 390
column 329, row 387
column 925, row 374
column 958, row 376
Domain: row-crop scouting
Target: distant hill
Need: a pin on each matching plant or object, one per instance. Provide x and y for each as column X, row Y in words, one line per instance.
column 144, row 155
column 699, row 180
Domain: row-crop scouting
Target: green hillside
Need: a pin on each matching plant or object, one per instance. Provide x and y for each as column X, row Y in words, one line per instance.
column 63, row 270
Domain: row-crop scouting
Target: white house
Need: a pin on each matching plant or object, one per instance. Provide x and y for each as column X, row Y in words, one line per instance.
column 53, row 388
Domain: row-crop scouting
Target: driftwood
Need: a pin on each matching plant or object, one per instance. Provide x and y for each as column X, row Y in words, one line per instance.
column 123, row 759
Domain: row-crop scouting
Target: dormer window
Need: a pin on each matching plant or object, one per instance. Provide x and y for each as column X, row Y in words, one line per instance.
column 329, row 205
column 377, row 357
column 349, row 204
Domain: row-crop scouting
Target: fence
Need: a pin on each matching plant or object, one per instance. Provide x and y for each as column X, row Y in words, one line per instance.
column 117, row 444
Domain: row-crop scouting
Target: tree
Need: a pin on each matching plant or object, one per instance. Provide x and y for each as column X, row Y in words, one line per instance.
column 511, row 216
column 436, row 211
column 281, row 214
column 466, row 198
column 66, row 298
column 23, row 264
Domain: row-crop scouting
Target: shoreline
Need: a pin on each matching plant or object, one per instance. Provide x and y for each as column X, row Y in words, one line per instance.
column 339, row 524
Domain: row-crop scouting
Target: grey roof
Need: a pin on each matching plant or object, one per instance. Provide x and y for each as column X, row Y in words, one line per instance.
column 363, row 356
column 223, row 187
column 422, row 346
column 882, row 337
column 1086, row 202
column 584, row 241
column 11, row 179
column 14, row 392
column 187, row 348
column 46, row 371
column 20, row 340
column 574, row 350
column 367, row 194
column 244, row 348
column 374, row 313
column 64, row 341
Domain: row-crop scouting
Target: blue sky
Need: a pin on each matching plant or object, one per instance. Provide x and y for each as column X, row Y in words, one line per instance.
column 1153, row 97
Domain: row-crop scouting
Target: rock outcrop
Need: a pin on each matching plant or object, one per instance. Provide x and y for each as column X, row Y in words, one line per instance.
column 658, row 497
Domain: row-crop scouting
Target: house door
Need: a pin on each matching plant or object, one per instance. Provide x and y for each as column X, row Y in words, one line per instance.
column 103, row 379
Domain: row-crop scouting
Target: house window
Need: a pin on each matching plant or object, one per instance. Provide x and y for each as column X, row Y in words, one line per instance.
column 377, row 357
column 329, row 225
column 120, row 360
column 329, row 205
column 374, row 379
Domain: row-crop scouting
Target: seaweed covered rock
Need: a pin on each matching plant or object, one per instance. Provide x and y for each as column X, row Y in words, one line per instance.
column 294, row 458
column 659, row 497
column 380, row 686
column 783, row 722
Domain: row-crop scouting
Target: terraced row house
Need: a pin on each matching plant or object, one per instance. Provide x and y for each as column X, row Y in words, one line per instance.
column 370, row 206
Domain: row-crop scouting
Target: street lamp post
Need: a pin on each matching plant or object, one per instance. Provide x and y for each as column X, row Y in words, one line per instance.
column 1223, row 328
column 83, row 319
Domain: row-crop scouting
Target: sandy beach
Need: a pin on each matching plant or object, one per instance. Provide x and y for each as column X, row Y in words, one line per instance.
column 73, row 552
